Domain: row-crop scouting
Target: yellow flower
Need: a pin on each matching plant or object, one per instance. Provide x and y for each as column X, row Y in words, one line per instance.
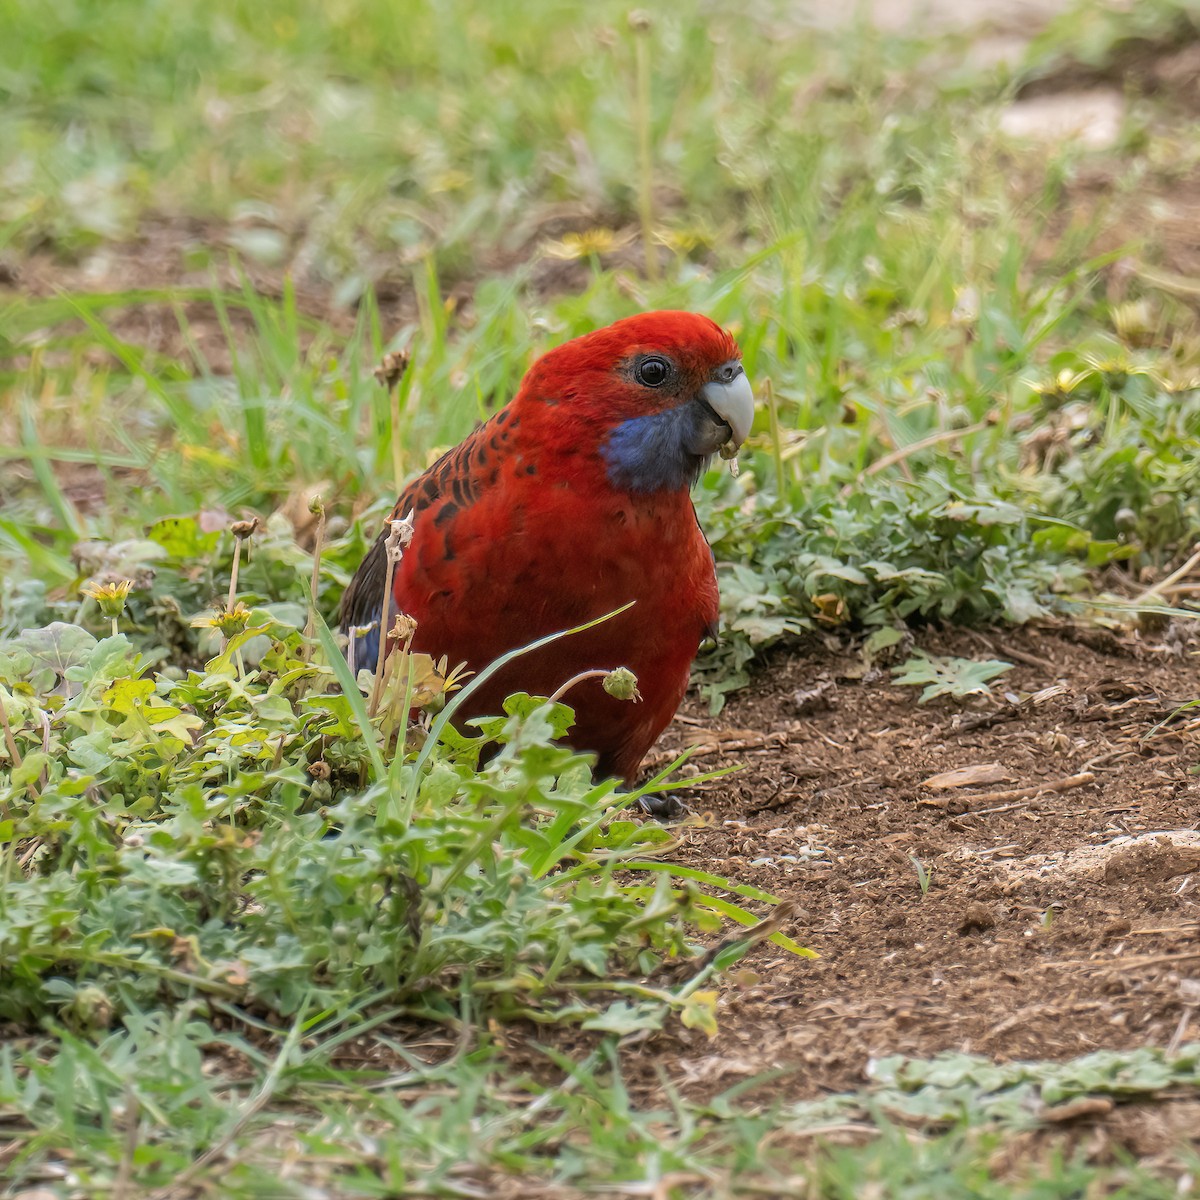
column 683, row 241
column 228, row 621
column 110, row 596
column 592, row 242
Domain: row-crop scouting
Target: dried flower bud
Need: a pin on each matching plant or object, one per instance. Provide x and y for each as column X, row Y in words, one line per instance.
column 243, row 529
column 622, row 684
column 319, row 769
column 639, row 20
column 399, row 536
column 402, row 628
column 392, row 367
column 91, row 1007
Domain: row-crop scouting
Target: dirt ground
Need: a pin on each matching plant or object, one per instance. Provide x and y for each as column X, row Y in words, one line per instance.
column 1062, row 910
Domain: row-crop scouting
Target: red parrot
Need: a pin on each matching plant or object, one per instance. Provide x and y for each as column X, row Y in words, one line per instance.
column 568, row 503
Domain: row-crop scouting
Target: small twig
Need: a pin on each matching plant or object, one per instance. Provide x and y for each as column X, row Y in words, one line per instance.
column 13, row 752
column 767, row 927
column 9, row 740
column 310, row 627
column 991, row 812
column 1160, row 929
column 1121, row 964
column 389, row 373
column 399, row 536
column 279, row 751
column 401, row 704
column 639, row 23
column 1155, row 592
column 1025, row 793
column 124, row 1176
column 43, row 778
column 563, row 689
column 1185, row 1019
column 240, row 530
column 904, row 452
column 1113, row 756
column 1030, row 660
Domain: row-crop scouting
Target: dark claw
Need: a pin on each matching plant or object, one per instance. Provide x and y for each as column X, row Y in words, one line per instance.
column 663, row 807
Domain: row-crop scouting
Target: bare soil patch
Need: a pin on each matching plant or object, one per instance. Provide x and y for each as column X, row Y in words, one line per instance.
column 1054, row 923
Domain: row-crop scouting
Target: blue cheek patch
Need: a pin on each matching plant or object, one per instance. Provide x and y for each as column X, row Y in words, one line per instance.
column 650, row 453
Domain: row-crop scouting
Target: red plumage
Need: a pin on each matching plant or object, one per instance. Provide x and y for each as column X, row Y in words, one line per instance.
column 522, row 531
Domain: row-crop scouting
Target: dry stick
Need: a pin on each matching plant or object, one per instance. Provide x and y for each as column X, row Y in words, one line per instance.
column 124, row 1177
column 1185, row 1019
column 399, row 708
column 278, row 751
column 13, row 752
column 389, row 373
column 1030, row 660
column 560, row 692
column 310, row 627
column 1154, row 593
column 1169, row 282
column 397, row 540
column 1025, row 793
column 233, row 573
column 639, row 23
column 240, row 531
column 1160, row 929
column 9, row 740
column 903, row 452
column 384, row 608
column 43, row 778
column 767, row 927
column 705, row 748
column 1119, row 964
column 991, row 812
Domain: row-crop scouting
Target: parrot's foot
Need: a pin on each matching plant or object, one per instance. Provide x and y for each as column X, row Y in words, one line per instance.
column 663, row 808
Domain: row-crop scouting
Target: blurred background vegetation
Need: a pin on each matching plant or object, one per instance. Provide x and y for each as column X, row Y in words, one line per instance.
column 970, row 316
column 214, row 218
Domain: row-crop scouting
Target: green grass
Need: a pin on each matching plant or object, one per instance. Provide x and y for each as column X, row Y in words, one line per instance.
column 219, row 874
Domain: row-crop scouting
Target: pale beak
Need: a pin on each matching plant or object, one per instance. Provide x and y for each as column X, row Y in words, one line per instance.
column 732, row 401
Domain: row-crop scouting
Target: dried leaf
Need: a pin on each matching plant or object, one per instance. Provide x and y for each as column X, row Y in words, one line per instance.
column 972, row 776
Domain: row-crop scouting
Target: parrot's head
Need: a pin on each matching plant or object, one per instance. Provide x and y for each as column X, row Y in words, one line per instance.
column 662, row 392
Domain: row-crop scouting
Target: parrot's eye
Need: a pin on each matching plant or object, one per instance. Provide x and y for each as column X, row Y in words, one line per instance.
column 652, row 372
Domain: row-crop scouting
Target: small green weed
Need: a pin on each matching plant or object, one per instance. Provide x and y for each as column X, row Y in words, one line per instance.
column 940, row 676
